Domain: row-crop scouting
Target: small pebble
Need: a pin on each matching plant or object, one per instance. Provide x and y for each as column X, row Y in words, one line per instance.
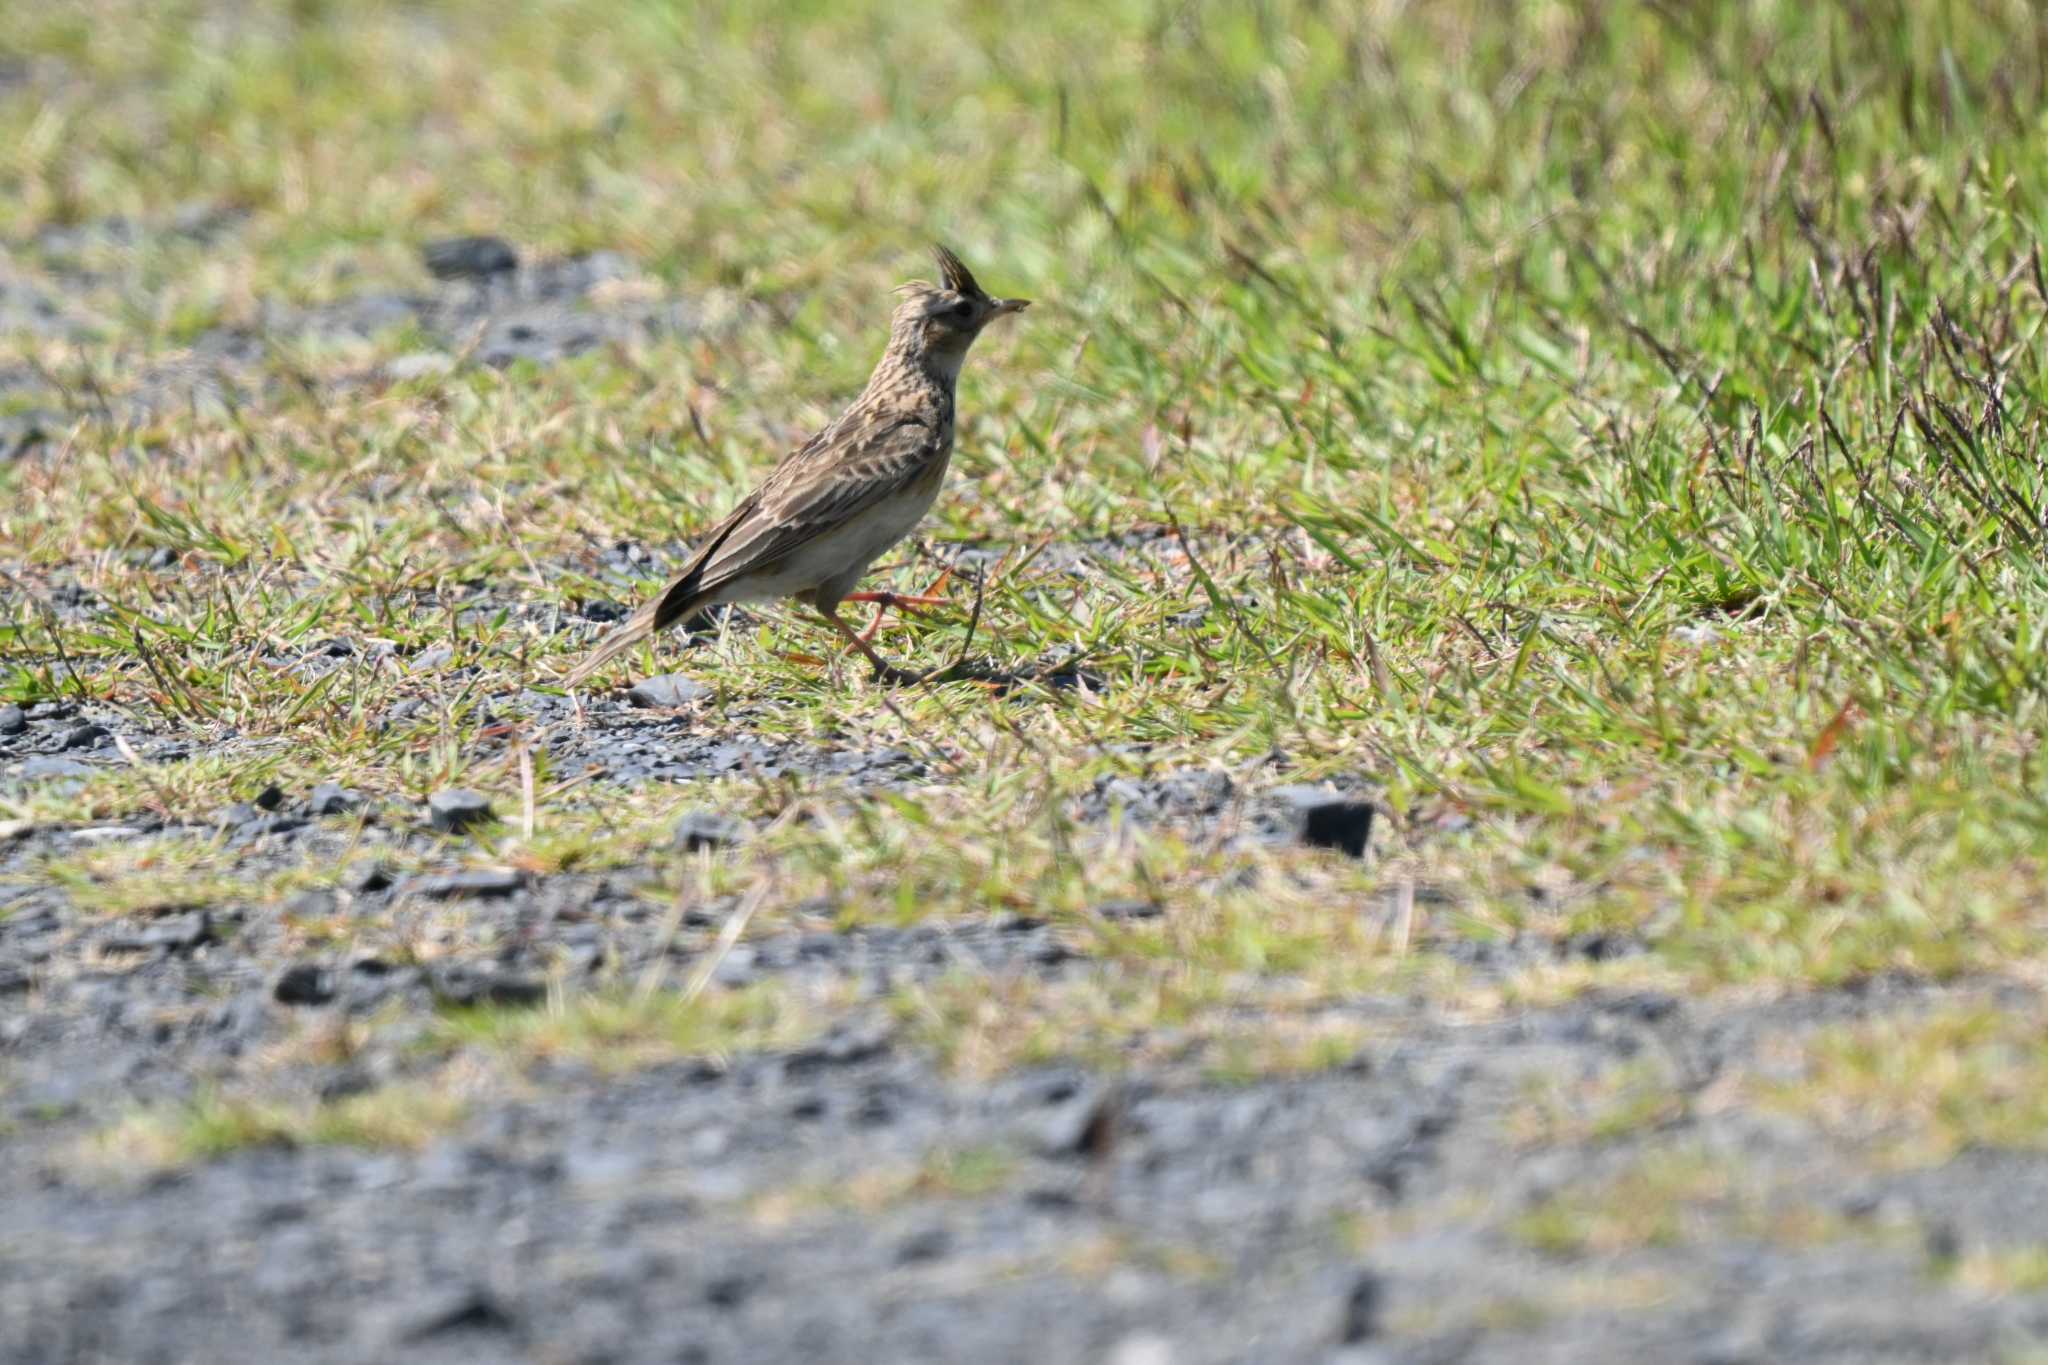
column 332, row 799
column 701, row 829
column 666, row 691
column 45, row 765
column 469, row 258
column 85, row 737
column 367, row 878
column 13, row 720
column 482, row 884
column 304, row 983
column 1327, row 819
column 455, row 809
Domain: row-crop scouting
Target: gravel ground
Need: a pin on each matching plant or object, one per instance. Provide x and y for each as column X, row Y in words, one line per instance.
column 783, row 1205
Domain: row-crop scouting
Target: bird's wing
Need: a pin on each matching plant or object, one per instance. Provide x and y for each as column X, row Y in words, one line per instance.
column 850, row 466
column 859, row 460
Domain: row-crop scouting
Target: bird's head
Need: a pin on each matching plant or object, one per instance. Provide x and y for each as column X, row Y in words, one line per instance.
column 942, row 320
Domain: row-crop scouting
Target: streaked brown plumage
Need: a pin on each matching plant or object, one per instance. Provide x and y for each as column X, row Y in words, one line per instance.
column 835, row 503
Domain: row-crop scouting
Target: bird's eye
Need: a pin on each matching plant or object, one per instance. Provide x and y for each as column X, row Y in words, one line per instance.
column 962, row 309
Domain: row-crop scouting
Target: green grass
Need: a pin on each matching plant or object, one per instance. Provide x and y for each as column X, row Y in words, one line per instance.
column 1915, row 1091
column 623, row 1032
column 1617, row 432
column 212, row 1124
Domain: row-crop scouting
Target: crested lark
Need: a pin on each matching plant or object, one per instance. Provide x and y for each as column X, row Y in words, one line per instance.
column 836, row 502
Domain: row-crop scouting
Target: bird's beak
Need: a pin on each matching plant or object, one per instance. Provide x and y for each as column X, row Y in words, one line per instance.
column 1004, row 306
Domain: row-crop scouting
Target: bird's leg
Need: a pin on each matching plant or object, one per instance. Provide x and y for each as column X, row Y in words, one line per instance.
column 884, row 670
column 930, row 597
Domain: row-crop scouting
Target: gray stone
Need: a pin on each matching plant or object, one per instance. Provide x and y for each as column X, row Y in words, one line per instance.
column 85, row 737
column 235, row 816
column 104, row 833
column 44, row 766
column 1084, row 1126
column 172, row 933
column 13, row 720
column 455, row 809
column 332, row 799
column 419, row 364
column 368, row 877
column 314, row 904
column 667, row 690
column 700, row 829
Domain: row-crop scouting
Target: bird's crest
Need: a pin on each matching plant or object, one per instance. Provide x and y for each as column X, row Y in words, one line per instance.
column 957, row 277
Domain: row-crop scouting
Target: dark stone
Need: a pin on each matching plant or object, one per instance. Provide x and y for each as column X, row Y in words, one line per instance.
column 730, row 1290
column 480, row 884
column 463, row 986
column 1128, row 910
column 13, row 720
column 928, row 1245
column 85, row 737
column 469, row 258
column 270, row 798
column 1327, row 819
column 455, row 809
column 845, row 1045
column 1085, row 1126
column 1361, row 1317
column 367, row 878
column 705, row 829
column 22, row 432
column 667, row 690
column 331, row 799
column 1603, row 946
column 466, row 1311
column 51, row 710
column 304, row 983
column 1645, row 1007
column 245, row 821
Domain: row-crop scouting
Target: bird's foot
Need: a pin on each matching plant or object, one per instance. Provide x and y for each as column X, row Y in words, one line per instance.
column 930, row 597
column 898, row 600
column 890, row 675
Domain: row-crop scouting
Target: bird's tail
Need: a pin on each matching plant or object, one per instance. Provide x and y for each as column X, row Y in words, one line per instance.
column 664, row 610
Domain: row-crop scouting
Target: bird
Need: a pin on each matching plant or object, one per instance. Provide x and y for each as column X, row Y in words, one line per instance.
column 834, row 504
